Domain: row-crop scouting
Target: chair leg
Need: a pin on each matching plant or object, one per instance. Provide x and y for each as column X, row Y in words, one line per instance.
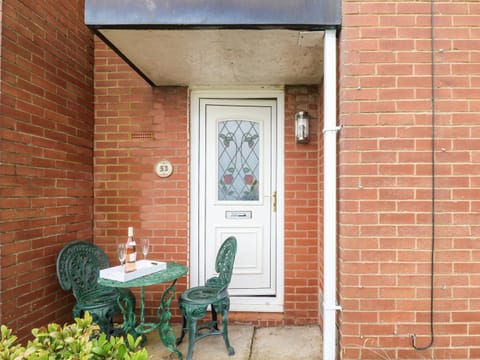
column 192, row 334
column 214, row 318
column 104, row 319
column 225, row 308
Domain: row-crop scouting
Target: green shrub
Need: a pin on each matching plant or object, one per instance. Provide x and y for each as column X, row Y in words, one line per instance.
column 78, row 341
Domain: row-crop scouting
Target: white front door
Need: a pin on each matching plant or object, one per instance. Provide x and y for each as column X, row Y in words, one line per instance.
column 237, row 195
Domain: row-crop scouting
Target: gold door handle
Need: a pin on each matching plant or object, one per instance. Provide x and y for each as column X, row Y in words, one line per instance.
column 274, row 196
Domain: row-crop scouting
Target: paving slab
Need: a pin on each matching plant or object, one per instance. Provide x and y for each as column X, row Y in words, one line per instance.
column 287, row 343
column 272, row 343
column 209, row 348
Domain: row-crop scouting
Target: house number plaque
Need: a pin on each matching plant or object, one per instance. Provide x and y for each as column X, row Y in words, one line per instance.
column 163, row 168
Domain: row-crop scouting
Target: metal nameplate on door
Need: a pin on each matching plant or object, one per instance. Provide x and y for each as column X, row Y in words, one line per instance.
column 238, row 214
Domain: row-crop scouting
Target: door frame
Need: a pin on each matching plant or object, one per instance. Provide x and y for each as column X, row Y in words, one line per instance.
column 257, row 303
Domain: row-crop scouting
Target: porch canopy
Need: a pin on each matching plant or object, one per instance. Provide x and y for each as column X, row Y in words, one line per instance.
column 217, row 42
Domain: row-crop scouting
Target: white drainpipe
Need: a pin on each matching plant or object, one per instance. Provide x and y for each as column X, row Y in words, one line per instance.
column 330, row 199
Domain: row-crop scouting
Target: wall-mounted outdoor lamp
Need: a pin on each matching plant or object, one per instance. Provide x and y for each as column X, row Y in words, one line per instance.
column 301, row 127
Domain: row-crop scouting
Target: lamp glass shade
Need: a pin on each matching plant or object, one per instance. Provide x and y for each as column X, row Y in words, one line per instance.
column 301, row 127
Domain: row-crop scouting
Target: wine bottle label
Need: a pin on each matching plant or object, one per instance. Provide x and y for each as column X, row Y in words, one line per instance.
column 130, row 266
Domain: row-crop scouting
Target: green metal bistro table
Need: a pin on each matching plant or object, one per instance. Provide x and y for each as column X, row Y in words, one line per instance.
column 130, row 324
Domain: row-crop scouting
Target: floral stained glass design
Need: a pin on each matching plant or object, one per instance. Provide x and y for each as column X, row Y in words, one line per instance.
column 238, row 160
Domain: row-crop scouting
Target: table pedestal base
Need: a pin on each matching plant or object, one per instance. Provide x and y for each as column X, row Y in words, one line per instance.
column 165, row 331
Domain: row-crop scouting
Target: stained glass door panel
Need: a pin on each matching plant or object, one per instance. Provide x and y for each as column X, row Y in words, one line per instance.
column 238, row 160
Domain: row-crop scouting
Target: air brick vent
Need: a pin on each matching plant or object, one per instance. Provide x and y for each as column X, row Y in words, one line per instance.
column 142, row 135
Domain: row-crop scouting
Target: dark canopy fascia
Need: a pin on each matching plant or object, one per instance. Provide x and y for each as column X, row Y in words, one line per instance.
column 288, row 14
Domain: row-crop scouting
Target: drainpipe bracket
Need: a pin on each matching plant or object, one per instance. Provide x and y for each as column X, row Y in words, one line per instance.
column 337, row 128
column 332, row 308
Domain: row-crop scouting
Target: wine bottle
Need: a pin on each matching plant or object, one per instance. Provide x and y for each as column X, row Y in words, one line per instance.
column 131, row 250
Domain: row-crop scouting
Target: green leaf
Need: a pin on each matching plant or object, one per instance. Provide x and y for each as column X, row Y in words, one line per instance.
column 100, row 351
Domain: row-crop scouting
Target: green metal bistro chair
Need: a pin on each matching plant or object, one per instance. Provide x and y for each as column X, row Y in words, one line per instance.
column 78, row 269
column 194, row 302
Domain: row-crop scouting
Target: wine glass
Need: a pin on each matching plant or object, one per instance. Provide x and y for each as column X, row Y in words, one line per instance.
column 145, row 247
column 122, row 254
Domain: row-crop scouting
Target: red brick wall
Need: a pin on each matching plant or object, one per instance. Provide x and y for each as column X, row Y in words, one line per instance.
column 46, row 136
column 128, row 193
column 135, row 127
column 303, row 204
column 385, row 221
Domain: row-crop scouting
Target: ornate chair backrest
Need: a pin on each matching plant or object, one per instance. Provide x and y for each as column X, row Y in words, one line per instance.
column 78, row 267
column 224, row 264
